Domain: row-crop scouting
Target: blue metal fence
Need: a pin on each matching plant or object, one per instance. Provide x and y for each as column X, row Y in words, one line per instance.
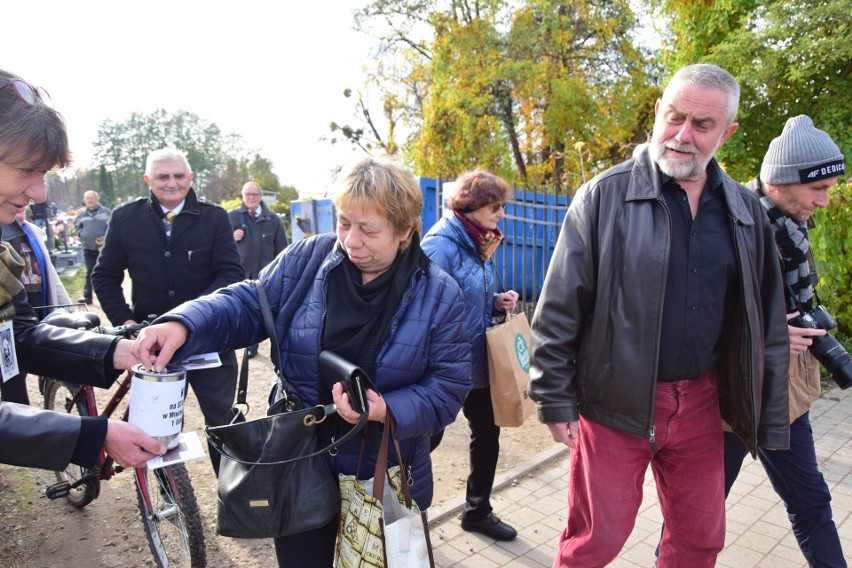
column 532, row 223
column 530, row 227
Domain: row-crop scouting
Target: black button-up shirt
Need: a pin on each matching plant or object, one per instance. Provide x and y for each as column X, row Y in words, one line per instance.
column 701, row 280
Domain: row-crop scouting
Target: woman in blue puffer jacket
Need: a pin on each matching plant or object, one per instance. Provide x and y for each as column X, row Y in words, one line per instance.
column 462, row 243
column 370, row 295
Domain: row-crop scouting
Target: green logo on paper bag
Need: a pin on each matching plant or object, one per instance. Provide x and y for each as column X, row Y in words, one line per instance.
column 523, row 352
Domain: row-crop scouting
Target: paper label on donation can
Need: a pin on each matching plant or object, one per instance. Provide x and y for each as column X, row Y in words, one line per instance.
column 157, row 407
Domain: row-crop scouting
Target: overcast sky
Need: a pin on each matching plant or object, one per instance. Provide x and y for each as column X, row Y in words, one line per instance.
column 272, row 72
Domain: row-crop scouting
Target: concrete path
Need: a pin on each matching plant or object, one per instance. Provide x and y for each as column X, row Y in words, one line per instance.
column 532, row 498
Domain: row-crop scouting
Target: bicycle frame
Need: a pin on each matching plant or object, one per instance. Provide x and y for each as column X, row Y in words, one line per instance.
column 106, row 465
column 167, row 503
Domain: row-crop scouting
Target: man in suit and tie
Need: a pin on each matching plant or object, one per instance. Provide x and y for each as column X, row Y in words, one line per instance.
column 176, row 248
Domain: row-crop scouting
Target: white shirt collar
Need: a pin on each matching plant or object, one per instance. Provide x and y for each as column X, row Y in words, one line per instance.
column 176, row 210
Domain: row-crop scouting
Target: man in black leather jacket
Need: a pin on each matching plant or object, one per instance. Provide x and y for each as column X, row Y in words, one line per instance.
column 662, row 305
column 32, row 141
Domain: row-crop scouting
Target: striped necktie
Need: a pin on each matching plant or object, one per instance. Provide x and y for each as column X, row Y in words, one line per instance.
column 170, row 216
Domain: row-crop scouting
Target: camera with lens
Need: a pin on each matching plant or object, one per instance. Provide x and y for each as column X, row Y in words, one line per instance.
column 826, row 348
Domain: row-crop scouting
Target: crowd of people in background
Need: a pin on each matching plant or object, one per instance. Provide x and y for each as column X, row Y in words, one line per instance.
column 665, row 335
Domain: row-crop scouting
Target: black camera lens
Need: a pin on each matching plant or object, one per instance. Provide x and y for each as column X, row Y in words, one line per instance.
column 827, row 349
column 834, row 358
column 823, row 319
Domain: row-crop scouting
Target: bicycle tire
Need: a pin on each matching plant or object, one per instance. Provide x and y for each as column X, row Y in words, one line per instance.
column 58, row 396
column 173, row 524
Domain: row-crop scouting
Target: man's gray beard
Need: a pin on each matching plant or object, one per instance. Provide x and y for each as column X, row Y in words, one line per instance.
column 681, row 170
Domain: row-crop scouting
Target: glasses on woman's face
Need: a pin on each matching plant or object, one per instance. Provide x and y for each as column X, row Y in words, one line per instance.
column 495, row 207
column 27, row 92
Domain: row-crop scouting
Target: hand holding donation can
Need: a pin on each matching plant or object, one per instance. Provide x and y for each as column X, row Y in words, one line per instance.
column 156, row 402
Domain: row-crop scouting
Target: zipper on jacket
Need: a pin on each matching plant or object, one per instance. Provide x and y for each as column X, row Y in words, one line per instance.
column 652, row 438
column 324, row 295
column 749, row 382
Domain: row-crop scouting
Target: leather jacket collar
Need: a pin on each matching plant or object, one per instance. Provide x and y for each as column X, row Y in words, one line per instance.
column 645, row 184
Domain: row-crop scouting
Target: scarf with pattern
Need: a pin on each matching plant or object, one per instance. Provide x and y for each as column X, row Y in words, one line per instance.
column 792, row 240
column 485, row 240
column 11, row 267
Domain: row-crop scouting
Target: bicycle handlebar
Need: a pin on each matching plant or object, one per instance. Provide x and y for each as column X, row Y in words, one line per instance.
column 125, row 331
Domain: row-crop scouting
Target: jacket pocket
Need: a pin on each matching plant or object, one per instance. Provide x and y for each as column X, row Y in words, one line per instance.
column 201, row 255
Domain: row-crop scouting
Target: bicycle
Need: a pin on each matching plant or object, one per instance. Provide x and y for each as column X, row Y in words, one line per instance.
column 169, row 510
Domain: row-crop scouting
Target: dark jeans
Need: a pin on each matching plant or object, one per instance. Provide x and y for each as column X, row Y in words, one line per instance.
column 91, row 258
column 484, row 451
column 311, row 549
column 796, row 478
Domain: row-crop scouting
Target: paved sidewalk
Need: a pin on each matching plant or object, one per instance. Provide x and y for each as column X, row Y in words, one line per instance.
column 532, row 498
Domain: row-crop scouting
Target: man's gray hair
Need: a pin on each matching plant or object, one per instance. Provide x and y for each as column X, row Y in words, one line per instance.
column 714, row 77
column 165, row 155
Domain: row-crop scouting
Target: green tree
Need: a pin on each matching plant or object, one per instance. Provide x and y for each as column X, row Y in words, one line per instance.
column 106, row 193
column 509, row 85
column 831, row 242
column 122, row 147
column 515, row 92
column 791, row 57
column 260, row 172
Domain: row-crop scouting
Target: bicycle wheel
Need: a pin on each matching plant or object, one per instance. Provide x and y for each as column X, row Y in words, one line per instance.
column 172, row 521
column 59, row 396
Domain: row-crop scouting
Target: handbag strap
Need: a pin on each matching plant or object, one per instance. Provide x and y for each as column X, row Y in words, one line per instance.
column 274, row 348
column 242, row 384
column 311, row 418
column 379, row 483
column 382, row 463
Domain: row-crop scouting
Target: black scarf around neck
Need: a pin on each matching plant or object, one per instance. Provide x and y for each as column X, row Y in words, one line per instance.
column 792, row 240
column 359, row 315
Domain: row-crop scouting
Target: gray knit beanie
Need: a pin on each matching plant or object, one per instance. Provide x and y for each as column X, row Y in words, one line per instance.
column 802, row 154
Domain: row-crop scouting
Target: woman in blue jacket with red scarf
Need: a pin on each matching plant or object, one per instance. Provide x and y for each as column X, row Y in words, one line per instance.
column 462, row 243
column 370, row 295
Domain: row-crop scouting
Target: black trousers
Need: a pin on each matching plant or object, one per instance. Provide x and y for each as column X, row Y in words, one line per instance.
column 15, row 389
column 91, row 258
column 484, row 451
column 215, row 390
column 311, row 549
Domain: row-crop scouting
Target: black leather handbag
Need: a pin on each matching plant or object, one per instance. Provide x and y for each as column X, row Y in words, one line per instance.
column 273, row 478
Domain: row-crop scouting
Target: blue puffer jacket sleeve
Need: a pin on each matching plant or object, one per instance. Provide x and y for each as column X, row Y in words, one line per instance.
column 451, row 248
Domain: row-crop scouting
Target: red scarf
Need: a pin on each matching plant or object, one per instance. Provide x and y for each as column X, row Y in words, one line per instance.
column 485, row 240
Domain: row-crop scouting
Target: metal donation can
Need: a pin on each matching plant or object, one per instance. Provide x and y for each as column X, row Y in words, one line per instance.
column 156, row 402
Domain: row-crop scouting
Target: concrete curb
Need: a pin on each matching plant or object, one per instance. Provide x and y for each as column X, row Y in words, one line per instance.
column 544, row 458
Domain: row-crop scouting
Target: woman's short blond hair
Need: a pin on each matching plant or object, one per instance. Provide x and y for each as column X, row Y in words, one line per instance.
column 385, row 185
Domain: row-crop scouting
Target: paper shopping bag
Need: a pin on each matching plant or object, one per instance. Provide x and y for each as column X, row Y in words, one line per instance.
column 509, row 370
column 380, row 525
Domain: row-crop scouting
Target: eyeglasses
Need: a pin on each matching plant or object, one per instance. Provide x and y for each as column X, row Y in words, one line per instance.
column 495, row 207
column 252, row 194
column 27, row 92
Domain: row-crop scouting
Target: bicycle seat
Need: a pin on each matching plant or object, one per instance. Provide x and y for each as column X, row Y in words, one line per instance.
column 81, row 320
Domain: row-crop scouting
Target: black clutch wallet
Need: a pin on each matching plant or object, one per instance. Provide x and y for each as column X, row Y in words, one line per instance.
column 336, row 369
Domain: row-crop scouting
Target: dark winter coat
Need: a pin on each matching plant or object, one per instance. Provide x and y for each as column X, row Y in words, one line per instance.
column 263, row 237
column 91, row 226
column 199, row 257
